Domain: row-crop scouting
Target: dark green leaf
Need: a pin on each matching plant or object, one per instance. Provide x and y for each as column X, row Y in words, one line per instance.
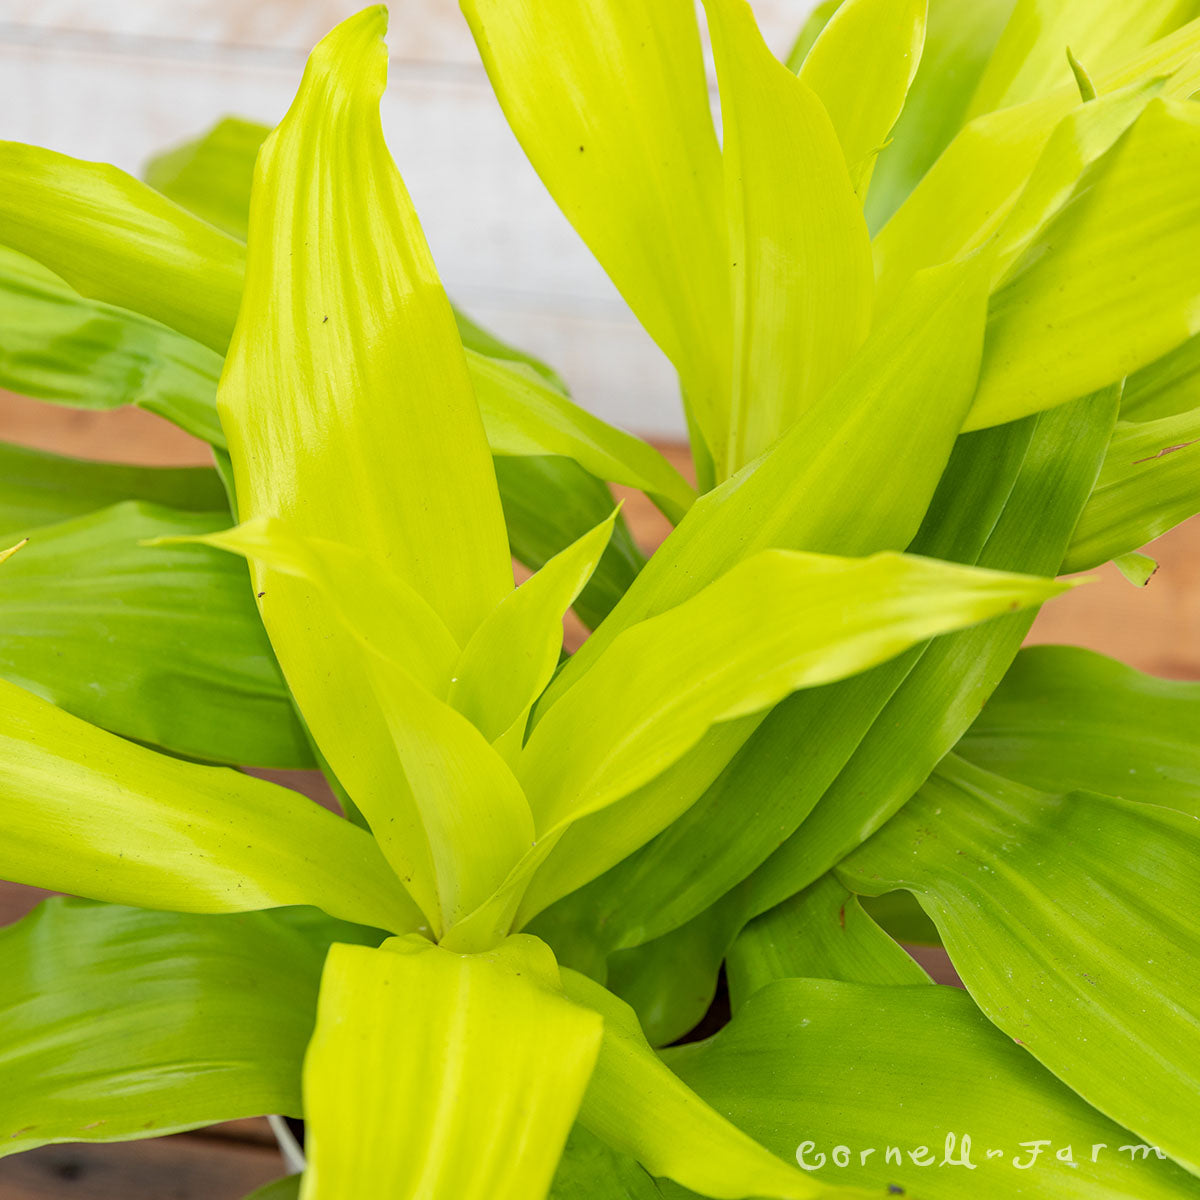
column 1065, row 718
column 119, row 1023
column 158, row 643
column 38, row 488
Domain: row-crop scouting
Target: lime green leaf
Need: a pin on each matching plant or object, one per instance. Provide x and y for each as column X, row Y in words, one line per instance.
column 61, row 347
column 453, row 820
column 821, row 1064
column 610, row 103
column 1031, row 56
column 524, row 415
column 58, row 346
column 802, row 274
column 351, row 417
column 117, row 240
column 372, row 373
column 112, row 631
column 777, row 622
column 1078, row 141
column 922, row 718
column 512, row 655
column 968, row 193
column 1165, row 388
column 89, row 813
column 1066, row 718
column 550, row 503
column 876, row 40
column 1000, row 181
column 1126, row 236
column 378, row 609
column 821, row 933
column 211, row 175
column 38, row 488
column 794, row 496
column 439, row 1074
column 607, row 837
column 1149, row 483
column 209, row 1016
column 1087, row 89
column 1139, row 569
column 820, row 16
column 851, row 443
column 638, row 1106
column 1071, row 921
column 959, row 39
column 871, row 740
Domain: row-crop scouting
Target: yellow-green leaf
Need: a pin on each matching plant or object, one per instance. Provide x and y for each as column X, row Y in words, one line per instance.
column 211, row 175
column 1030, row 58
column 1110, row 284
column 511, row 657
column 1149, row 483
column 861, row 66
column 434, row 1074
column 89, row 813
column 639, row 1106
column 781, row 620
column 799, row 248
column 346, row 397
column 115, row 239
column 452, row 820
column 524, row 415
column 1072, row 922
column 609, row 100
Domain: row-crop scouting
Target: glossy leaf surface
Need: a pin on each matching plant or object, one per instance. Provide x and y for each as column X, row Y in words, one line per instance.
column 1070, row 920
column 1126, row 236
column 638, row 1106
column 780, row 621
column 456, row 820
column 879, row 40
column 115, row 239
column 610, row 104
column 111, row 630
column 822, row 932
column 61, row 347
column 91, row 814
column 803, row 282
column 959, row 39
column 119, row 1023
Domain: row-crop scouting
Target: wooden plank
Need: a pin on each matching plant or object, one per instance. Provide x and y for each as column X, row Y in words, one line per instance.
column 174, row 1168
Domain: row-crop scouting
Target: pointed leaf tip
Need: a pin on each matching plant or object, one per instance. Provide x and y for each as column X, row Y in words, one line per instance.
column 5, row 555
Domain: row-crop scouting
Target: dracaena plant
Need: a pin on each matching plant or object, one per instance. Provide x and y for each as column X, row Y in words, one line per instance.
column 468, row 984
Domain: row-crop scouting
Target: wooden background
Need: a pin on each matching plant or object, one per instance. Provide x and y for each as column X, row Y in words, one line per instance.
column 120, row 79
